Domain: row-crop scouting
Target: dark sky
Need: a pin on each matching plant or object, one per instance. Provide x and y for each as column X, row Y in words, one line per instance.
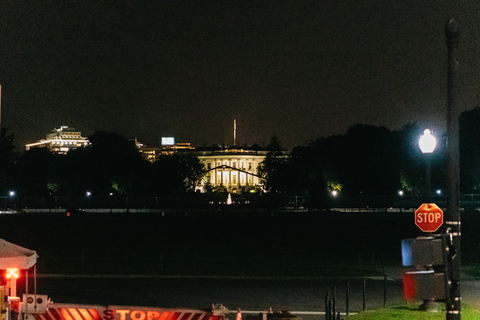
column 298, row 69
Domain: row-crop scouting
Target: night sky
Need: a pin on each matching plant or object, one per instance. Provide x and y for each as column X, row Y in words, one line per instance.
column 298, row 69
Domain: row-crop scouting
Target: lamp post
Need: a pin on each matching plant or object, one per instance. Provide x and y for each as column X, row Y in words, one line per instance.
column 427, row 144
column 453, row 223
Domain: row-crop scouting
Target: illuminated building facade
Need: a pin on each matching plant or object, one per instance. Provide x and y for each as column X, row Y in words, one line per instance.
column 172, row 149
column 152, row 153
column 231, row 169
column 60, row 140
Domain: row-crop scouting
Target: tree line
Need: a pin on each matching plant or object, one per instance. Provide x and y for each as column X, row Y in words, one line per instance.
column 372, row 161
column 111, row 164
column 366, row 160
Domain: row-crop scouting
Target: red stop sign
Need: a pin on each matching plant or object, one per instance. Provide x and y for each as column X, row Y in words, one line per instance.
column 429, row 217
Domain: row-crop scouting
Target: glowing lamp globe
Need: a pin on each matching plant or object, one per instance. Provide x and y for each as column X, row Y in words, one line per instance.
column 427, row 142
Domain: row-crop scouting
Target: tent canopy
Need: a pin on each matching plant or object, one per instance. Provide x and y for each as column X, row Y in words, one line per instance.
column 14, row 256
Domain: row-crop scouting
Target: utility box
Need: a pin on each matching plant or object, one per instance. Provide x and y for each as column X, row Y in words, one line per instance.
column 35, row 303
column 423, row 251
column 424, row 285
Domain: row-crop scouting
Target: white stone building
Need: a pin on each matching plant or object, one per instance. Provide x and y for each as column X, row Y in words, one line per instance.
column 232, row 169
column 60, row 140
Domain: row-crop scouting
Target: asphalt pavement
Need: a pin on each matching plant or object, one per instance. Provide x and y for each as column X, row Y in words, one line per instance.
column 258, row 294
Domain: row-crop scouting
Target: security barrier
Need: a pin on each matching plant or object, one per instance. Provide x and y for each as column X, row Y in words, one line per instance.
column 84, row 312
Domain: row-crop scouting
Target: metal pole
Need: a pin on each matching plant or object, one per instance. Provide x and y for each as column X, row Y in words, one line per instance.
column 428, row 193
column 326, row 307
column 347, row 302
column 364, row 293
column 452, row 217
column 334, row 302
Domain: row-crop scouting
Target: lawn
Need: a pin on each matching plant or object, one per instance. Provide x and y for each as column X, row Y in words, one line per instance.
column 411, row 312
column 223, row 243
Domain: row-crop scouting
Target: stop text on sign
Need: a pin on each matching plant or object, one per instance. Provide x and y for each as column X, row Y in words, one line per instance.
column 429, row 217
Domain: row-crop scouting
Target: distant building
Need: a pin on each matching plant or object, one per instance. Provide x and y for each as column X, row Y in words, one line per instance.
column 231, row 169
column 61, row 140
column 152, row 153
column 149, row 153
column 172, row 149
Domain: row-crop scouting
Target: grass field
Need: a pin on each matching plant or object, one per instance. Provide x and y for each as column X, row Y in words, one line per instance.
column 412, row 313
column 223, row 243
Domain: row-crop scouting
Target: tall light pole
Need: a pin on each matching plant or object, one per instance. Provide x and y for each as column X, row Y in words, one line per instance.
column 427, row 144
column 452, row 222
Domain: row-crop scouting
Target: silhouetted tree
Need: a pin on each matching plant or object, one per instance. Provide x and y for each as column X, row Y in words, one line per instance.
column 411, row 164
column 309, row 175
column 117, row 163
column 111, row 163
column 363, row 159
column 272, row 168
column 176, row 174
column 33, row 172
column 469, row 140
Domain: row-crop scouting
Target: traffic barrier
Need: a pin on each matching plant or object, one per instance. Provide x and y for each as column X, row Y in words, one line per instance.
column 84, row 312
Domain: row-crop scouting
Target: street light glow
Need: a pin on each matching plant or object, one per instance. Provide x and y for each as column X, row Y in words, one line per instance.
column 427, row 142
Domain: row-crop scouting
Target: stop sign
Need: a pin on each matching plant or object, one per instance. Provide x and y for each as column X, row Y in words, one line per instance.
column 429, row 217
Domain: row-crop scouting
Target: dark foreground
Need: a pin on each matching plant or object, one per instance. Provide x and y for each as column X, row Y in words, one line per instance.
column 222, row 242
column 248, row 260
column 248, row 294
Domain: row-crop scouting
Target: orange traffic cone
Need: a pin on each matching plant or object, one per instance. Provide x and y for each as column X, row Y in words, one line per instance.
column 239, row 314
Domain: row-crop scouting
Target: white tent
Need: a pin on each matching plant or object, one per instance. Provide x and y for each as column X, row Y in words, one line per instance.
column 14, row 256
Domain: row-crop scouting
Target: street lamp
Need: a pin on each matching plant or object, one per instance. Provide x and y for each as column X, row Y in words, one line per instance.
column 427, row 144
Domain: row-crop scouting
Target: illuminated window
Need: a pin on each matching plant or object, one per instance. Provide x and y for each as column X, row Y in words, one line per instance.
column 234, row 179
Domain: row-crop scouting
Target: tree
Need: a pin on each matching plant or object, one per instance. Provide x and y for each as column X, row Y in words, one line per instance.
column 363, row 159
column 310, row 175
column 111, row 163
column 272, row 168
column 411, row 167
column 33, row 172
column 176, row 174
column 469, row 145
